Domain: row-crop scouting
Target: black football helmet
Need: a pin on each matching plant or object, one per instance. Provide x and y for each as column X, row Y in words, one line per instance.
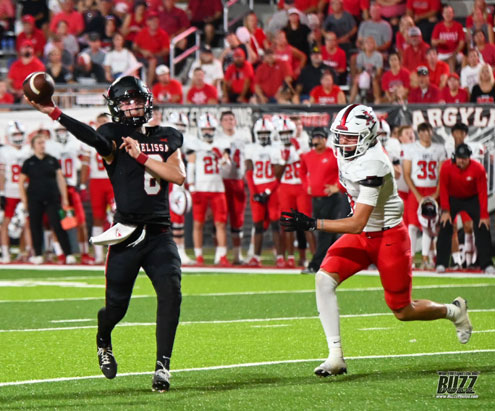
column 125, row 89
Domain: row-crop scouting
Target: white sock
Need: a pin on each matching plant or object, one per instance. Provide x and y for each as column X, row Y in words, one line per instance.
column 326, row 302
column 250, row 252
column 97, row 230
column 5, row 250
column 83, row 247
column 181, row 247
column 452, row 312
column 425, row 244
column 290, row 257
column 456, row 257
column 413, row 235
column 57, row 249
column 257, row 257
column 220, row 252
column 198, row 252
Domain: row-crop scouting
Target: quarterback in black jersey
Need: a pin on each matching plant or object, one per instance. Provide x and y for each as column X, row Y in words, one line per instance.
column 140, row 162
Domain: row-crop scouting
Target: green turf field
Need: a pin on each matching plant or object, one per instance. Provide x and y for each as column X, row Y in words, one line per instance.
column 246, row 341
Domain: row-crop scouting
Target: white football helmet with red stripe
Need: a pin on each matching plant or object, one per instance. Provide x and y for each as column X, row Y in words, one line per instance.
column 16, row 134
column 358, row 123
column 263, row 130
column 207, row 125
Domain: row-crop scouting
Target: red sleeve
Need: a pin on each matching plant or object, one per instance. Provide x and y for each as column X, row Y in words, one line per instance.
column 212, row 92
column 139, row 37
column 482, row 186
column 406, row 78
column 229, row 72
column 409, row 5
column 444, row 182
column 250, row 182
column 189, row 95
column 385, row 81
column 166, row 39
column 249, row 70
column 303, row 173
column 54, row 22
column 436, row 30
column 342, row 60
column 79, row 22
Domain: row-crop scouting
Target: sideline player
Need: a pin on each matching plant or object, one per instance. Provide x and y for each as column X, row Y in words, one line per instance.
column 140, row 163
column 373, row 234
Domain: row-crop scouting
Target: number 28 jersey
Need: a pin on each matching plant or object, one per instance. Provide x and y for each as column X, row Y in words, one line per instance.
column 425, row 163
column 140, row 197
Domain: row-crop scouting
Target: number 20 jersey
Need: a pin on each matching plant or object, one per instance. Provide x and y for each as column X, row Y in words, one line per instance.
column 425, row 163
column 140, row 197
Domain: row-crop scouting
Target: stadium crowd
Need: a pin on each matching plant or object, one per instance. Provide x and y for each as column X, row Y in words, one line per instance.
column 315, row 52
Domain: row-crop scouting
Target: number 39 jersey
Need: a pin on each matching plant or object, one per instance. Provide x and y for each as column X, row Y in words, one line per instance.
column 208, row 169
column 140, row 197
column 11, row 160
column 425, row 163
column 261, row 156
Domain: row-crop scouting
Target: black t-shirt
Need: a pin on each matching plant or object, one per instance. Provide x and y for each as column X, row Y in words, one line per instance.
column 310, row 76
column 140, row 198
column 480, row 97
column 299, row 37
column 42, row 175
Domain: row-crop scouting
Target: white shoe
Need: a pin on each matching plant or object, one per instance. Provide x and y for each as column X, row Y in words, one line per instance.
column 332, row 366
column 184, row 258
column 462, row 323
column 440, row 269
column 489, row 270
column 6, row 259
column 37, row 260
column 70, row 259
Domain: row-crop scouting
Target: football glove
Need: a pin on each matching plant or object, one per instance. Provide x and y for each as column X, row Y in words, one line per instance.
column 295, row 221
column 3, row 200
column 261, row 198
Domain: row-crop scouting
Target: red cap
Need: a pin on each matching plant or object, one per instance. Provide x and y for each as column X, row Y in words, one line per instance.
column 28, row 19
column 238, row 52
column 152, row 14
column 27, row 43
column 454, row 75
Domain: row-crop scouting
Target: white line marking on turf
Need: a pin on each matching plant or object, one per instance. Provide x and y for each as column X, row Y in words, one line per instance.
column 80, row 320
column 246, row 320
column 374, row 329
column 270, row 326
column 218, row 270
column 268, row 292
column 36, row 283
column 484, row 331
column 245, row 365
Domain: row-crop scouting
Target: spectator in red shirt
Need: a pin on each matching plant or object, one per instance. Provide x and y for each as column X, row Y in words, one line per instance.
column 206, row 16
column 463, row 187
column 486, row 50
column 166, row 89
column 453, row 93
column 73, row 18
column 269, row 78
column 31, row 32
column 5, row 96
column 415, row 54
column 258, row 41
column 327, row 92
column 134, row 22
column 448, row 37
column 395, row 82
column 238, row 80
column 152, row 45
column 201, row 92
column 335, row 57
column 293, row 56
column 402, row 35
column 25, row 64
column 425, row 15
column 425, row 92
column 439, row 70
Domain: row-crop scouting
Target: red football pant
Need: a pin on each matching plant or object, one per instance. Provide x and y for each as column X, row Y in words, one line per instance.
column 101, row 196
column 389, row 250
column 293, row 196
column 10, row 206
column 76, row 203
column 217, row 202
column 236, row 202
column 270, row 209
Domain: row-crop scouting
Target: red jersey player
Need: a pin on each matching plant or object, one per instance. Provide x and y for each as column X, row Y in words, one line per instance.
column 374, row 234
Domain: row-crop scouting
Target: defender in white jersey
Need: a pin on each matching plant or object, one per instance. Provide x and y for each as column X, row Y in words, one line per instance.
column 233, row 179
column 374, row 234
column 12, row 157
column 422, row 162
column 204, row 165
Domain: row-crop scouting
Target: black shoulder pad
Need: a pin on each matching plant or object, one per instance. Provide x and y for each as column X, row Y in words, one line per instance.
column 372, row 181
column 396, row 162
column 176, row 134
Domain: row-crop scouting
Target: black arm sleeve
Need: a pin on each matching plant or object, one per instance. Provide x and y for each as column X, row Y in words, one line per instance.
column 87, row 135
column 372, row 181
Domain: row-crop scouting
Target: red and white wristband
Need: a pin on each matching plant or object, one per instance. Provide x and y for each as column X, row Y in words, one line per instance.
column 55, row 114
column 142, row 158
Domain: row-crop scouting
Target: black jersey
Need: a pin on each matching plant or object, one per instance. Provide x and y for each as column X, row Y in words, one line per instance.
column 140, row 197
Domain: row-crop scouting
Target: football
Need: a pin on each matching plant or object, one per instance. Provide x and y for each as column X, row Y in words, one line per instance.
column 39, row 87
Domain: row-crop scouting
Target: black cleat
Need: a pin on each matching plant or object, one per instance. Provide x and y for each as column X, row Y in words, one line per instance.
column 107, row 362
column 161, row 379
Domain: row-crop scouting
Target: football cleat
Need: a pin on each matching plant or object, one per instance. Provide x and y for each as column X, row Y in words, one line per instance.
column 70, row 259
column 224, row 262
column 280, row 262
column 86, row 259
column 161, row 379
column 200, row 261
column 107, row 362
column 332, row 366
column 291, row 263
column 254, row 262
column 462, row 323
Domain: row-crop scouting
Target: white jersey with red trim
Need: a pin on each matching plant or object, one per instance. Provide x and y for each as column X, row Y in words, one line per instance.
column 288, row 156
column 393, row 149
column 209, row 164
column 96, row 166
column 11, row 160
column 238, row 142
column 261, row 156
column 69, row 160
column 425, row 163
column 388, row 206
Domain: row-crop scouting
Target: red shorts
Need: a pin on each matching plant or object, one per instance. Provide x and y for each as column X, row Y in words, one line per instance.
column 293, row 196
column 217, row 201
column 464, row 217
column 175, row 218
column 271, row 209
column 403, row 195
column 10, row 205
column 412, row 204
column 236, row 202
column 75, row 201
column 101, row 196
column 389, row 250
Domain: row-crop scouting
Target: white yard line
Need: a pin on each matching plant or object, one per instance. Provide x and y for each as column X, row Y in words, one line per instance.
column 246, row 320
column 340, row 290
column 78, row 320
column 245, row 365
column 484, row 331
column 237, row 270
